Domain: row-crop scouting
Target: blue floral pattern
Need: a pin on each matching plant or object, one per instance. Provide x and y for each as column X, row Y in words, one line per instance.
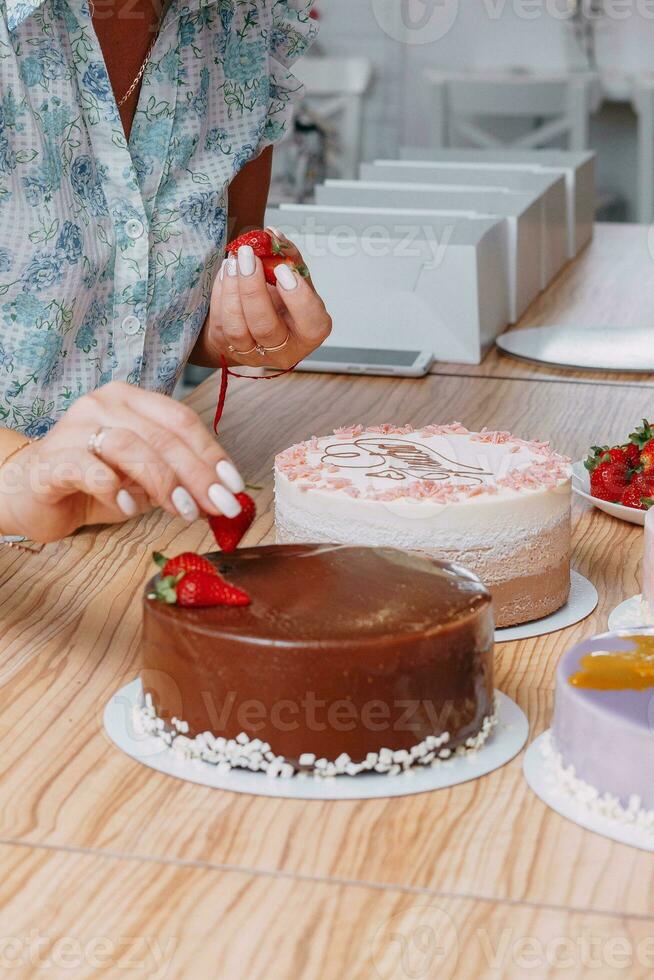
column 108, row 250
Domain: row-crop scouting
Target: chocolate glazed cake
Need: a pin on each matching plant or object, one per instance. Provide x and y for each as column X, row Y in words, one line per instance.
column 348, row 659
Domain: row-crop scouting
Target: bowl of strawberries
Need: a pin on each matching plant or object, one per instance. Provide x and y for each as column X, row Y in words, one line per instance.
column 620, row 479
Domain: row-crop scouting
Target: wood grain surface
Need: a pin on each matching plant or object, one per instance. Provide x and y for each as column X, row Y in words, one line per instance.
column 66, row 913
column 611, row 284
column 95, row 844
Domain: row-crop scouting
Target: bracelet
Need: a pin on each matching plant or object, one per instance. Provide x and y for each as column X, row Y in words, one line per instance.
column 14, row 452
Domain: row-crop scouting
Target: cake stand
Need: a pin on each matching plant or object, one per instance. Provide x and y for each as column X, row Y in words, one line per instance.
column 541, row 777
column 504, row 744
column 582, row 602
column 588, row 349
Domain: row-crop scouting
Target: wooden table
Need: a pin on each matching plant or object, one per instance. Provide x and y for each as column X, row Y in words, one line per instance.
column 110, row 867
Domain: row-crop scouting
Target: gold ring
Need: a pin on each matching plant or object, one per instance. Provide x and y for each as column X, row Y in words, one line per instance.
column 96, row 440
column 242, row 353
column 272, row 350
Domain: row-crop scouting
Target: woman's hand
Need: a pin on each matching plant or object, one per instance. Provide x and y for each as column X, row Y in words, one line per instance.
column 254, row 324
column 150, row 451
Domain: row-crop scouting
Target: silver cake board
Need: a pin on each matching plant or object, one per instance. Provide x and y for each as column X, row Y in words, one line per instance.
column 505, row 742
column 542, row 780
column 584, row 348
column 582, row 602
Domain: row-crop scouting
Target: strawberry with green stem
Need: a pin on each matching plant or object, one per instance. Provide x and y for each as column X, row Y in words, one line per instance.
column 189, row 561
column 198, row 590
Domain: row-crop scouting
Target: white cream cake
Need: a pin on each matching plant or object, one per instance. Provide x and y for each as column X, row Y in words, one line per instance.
column 491, row 501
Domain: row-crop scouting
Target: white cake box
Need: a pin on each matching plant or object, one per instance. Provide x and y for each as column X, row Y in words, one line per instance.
column 522, row 211
column 578, row 168
column 550, row 187
column 409, row 280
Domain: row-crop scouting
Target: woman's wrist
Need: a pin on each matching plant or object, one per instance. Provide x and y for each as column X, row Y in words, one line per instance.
column 11, row 445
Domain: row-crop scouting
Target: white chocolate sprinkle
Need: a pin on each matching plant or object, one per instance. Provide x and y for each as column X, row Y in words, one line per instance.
column 257, row 756
column 604, row 805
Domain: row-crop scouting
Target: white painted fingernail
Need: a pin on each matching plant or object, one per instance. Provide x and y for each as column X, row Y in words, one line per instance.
column 286, row 277
column 126, row 503
column 247, row 262
column 222, row 269
column 225, row 501
column 232, row 266
column 279, row 235
column 184, row 504
column 230, row 476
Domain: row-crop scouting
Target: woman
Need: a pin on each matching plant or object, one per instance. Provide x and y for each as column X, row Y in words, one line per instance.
column 123, row 128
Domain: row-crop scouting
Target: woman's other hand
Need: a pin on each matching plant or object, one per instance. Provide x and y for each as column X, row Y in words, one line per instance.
column 150, row 451
column 252, row 323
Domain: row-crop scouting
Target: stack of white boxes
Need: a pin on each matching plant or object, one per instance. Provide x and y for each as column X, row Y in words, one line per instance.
column 442, row 253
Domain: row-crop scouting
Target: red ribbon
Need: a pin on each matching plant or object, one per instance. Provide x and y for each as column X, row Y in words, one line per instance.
column 226, row 373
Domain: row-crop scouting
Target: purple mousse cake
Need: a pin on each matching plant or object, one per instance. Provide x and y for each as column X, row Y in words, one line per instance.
column 603, row 733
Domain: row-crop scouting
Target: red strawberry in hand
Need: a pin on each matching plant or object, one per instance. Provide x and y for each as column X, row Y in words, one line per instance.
column 196, row 590
column 271, row 252
column 261, row 242
column 188, row 562
column 609, row 481
column 228, row 531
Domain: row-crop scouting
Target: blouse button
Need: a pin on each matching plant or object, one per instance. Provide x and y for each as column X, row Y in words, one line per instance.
column 131, row 325
column 134, row 228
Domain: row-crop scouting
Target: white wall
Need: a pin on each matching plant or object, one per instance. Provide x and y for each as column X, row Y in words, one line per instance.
column 485, row 34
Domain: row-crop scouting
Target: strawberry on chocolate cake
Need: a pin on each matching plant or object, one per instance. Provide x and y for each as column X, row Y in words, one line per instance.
column 490, row 501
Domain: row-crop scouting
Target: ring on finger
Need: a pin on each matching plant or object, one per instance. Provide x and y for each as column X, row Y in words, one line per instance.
column 96, row 440
column 242, row 353
column 273, row 350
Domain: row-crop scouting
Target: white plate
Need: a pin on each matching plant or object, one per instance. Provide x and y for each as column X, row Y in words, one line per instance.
column 503, row 745
column 629, row 615
column 582, row 602
column 538, row 773
column 581, row 486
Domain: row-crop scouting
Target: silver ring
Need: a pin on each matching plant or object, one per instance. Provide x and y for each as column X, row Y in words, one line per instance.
column 95, row 441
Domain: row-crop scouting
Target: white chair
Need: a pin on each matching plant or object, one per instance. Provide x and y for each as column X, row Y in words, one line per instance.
column 562, row 104
column 335, row 90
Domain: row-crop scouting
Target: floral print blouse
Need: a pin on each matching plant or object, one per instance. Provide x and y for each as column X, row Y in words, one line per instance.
column 108, row 249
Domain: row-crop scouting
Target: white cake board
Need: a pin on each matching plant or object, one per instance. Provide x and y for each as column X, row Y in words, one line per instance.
column 628, row 615
column 503, row 745
column 582, row 602
column 587, row 348
column 544, row 784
